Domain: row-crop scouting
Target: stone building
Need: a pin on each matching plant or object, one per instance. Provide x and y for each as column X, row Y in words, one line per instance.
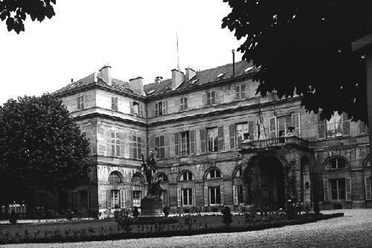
column 217, row 143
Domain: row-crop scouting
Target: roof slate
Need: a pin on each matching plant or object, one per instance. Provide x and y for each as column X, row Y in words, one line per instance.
column 201, row 78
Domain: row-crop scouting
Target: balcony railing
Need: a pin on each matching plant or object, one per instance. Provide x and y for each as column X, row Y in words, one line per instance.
column 275, row 142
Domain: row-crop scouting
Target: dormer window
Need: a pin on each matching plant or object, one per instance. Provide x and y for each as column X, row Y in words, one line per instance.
column 220, row 75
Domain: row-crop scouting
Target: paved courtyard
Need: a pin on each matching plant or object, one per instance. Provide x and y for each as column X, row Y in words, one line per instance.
column 352, row 230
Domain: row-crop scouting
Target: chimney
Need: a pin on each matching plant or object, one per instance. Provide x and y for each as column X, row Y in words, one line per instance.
column 190, row 73
column 136, row 85
column 177, row 78
column 105, row 74
column 158, row 79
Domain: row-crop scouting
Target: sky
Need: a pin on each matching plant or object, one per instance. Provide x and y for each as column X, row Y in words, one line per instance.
column 136, row 38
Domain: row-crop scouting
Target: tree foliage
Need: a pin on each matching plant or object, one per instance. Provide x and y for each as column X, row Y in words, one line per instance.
column 15, row 12
column 40, row 144
column 305, row 47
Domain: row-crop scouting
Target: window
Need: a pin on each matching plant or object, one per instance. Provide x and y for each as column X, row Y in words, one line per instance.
column 186, row 176
column 285, row 126
column 185, row 143
column 212, row 139
column 80, row 102
column 160, row 108
column 136, row 197
column 363, row 128
column 211, row 98
column 183, row 103
column 115, row 178
column 115, row 201
column 214, row 195
column 214, row 173
column 115, row 144
column 368, row 186
column 239, row 132
column 159, row 145
column 338, row 125
column 238, row 194
column 114, row 103
column 83, row 199
column 136, row 147
column 336, row 163
column 186, row 197
column 337, row 188
column 240, row 92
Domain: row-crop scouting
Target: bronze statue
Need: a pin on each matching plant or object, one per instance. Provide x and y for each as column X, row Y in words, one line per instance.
column 149, row 168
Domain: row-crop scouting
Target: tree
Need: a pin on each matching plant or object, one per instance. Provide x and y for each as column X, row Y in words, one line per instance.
column 15, row 12
column 40, row 146
column 305, row 47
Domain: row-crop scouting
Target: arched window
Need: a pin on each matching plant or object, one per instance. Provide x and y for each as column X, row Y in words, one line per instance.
column 186, row 176
column 239, row 172
column 115, row 177
column 162, row 177
column 137, row 178
column 336, row 163
column 214, row 173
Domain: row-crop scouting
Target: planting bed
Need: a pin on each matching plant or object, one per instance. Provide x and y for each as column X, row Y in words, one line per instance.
column 176, row 225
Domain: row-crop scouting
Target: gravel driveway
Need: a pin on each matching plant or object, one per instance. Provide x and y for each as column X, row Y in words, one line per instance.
column 352, row 230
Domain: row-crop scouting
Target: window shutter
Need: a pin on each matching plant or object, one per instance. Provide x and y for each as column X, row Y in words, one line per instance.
column 296, row 124
column 222, row 195
column 242, row 91
column 131, row 107
column 156, row 109
column 165, row 107
column 193, row 197
column 206, row 196
column 321, row 128
column 122, row 198
column 78, row 102
column 362, row 127
column 272, row 127
column 220, row 139
column 367, row 185
column 251, row 130
column 179, row 197
column 162, row 145
column 213, row 95
column 82, row 101
column 142, row 110
column 166, row 147
column 108, row 199
column 232, row 136
column 192, row 141
column 345, row 124
column 176, row 144
column 181, row 104
column 348, row 189
column 237, row 92
column 157, row 143
column 325, row 188
column 185, row 103
column 209, row 98
column 235, row 195
column 75, row 199
column 202, row 140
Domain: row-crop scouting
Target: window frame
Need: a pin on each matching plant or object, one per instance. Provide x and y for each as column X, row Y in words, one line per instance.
column 183, row 103
column 115, row 144
column 80, row 102
column 211, row 97
column 114, row 103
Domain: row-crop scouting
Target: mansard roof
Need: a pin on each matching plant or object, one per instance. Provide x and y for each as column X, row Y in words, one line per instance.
column 201, row 78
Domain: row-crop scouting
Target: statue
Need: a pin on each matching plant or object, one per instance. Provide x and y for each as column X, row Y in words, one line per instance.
column 154, row 189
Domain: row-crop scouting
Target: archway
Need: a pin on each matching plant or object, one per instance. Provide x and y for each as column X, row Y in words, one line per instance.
column 271, row 183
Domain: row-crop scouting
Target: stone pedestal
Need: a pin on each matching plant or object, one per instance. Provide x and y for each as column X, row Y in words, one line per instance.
column 151, row 208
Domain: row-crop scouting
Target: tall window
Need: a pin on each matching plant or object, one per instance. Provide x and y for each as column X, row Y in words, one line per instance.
column 136, row 198
column 363, row 128
column 241, row 130
column 183, row 103
column 115, row 144
column 338, row 125
column 212, row 139
column 240, row 91
column 238, row 194
column 187, row 197
column 211, row 97
column 80, row 102
column 136, row 147
column 114, row 103
column 160, row 108
column 185, row 143
column 214, row 195
column 115, row 200
column 159, row 144
column 337, row 188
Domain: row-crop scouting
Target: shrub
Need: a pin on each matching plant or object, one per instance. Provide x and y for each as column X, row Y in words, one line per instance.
column 135, row 212
column 227, row 216
column 13, row 218
column 166, row 211
column 124, row 221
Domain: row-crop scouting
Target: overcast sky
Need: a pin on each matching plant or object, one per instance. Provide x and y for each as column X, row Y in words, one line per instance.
column 137, row 38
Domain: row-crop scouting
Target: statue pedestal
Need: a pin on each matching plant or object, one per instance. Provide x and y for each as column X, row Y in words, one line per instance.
column 151, row 208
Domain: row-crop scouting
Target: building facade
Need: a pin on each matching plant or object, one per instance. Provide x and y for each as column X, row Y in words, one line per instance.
column 217, row 144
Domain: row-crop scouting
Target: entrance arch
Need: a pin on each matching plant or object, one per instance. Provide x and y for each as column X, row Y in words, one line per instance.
column 266, row 182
